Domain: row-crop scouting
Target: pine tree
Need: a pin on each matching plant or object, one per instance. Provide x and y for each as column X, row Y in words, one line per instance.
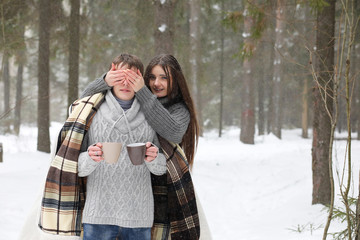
column 324, row 63
column 43, row 141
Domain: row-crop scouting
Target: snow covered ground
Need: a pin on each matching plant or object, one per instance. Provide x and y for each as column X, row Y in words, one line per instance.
column 248, row 192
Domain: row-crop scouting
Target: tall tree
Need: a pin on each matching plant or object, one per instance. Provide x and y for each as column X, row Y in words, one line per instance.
column 305, row 109
column 195, row 56
column 266, row 46
column 261, row 92
column 356, row 77
column 278, row 69
column 323, row 103
column 164, row 24
column 20, row 55
column 270, row 77
column 247, row 88
column 306, row 92
column 74, row 50
column 222, row 40
column 91, row 32
column 6, row 79
column 43, row 119
column 144, row 31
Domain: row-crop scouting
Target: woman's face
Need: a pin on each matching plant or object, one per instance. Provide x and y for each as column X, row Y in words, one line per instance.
column 158, row 81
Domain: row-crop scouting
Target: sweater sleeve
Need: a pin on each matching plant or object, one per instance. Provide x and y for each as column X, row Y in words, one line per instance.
column 98, row 85
column 170, row 123
column 158, row 165
column 86, row 165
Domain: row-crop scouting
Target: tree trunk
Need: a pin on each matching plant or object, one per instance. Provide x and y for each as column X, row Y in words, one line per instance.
column 164, row 23
column 278, row 69
column 305, row 94
column 324, row 62
column 247, row 105
column 357, row 72
column 90, row 60
column 222, row 39
column 357, row 228
column 195, row 57
column 356, row 76
column 355, row 64
column 305, row 110
column 43, row 120
column 269, row 82
column 357, row 87
column 247, row 89
column 142, row 30
column 74, row 49
column 19, row 82
column 6, row 79
column 261, row 103
column 261, row 90
column 18, row 103
column 342, row 114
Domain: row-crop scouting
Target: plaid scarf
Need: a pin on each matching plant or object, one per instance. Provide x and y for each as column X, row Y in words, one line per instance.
column 64, row 194
column 174, row 197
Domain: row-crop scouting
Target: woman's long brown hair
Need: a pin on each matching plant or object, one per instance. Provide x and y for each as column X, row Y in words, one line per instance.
column 178, row 91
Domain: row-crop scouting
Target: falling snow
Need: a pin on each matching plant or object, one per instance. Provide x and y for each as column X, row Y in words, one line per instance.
column 162, row 28
column 245, row 35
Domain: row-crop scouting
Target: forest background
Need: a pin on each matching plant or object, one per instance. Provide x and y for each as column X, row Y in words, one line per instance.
column 261, row 65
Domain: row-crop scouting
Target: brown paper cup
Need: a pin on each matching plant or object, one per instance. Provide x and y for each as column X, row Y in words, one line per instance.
column 111, row 151
column 136, row 152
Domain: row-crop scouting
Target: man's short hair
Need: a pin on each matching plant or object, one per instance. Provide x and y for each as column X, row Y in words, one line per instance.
column 130, row 60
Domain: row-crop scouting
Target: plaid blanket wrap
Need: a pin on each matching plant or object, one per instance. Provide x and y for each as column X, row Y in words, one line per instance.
column 176, row 215
column 174, row 197
column 64, row 194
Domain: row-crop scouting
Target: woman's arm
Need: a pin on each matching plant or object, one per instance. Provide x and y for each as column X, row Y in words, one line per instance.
column 98, row 85
column 105, row 82
column 170, row 123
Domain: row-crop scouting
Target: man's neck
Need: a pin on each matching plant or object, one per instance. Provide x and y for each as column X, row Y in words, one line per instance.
column 125, row 104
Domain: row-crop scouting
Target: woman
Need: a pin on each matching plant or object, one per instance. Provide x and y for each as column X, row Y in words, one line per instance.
column 168, row 107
